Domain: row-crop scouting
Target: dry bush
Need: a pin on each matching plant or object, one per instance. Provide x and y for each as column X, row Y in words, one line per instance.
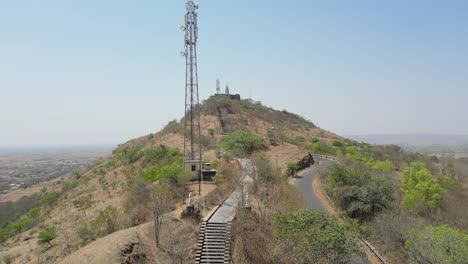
column 227, row 179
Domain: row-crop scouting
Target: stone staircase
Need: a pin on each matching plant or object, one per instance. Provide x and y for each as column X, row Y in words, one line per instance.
column 214, row 243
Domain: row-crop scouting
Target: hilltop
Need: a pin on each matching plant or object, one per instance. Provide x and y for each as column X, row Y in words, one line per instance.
column 103, row 213
column 105, row 188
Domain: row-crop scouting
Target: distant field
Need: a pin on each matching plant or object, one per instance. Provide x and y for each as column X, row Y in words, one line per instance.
column 439, row 145
column 22, row 172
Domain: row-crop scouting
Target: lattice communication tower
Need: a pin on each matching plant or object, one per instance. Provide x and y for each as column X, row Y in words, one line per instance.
column 192, row 131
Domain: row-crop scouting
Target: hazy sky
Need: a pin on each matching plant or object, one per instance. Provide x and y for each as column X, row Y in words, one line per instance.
column 102, row 72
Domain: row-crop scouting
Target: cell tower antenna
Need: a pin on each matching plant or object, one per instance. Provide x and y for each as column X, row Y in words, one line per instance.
column 192, row 130
column 218, row 87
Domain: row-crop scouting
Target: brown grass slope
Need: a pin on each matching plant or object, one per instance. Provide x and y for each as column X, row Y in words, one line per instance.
column 104, row 183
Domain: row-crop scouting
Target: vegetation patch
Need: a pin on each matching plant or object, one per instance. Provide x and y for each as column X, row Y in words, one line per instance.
column 46, row 236
column 358, row 192
column 421, row 191
column 313, row 237
column 24, row 223
column 242, row 143
column 438, row 244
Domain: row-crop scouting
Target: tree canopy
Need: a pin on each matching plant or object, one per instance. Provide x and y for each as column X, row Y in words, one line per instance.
column 313, row 236
column 421, row 191
column 240, row 143
column 438, row 244
column 357, row 191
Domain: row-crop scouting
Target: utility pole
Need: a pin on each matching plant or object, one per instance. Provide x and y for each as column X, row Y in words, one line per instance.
column 276, row 167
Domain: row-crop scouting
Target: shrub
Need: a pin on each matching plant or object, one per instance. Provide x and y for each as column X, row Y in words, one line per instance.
column 106, row 222
column 173, row 127
column 336, row 151
column 86, row 234
column 161, row 155
column 320, row 147
column 293, row 167
column 46, row 236
column 358, row 192
column 211, row 131
column 219, row 178
column 50, row 199
column 352, row 153
column 383, row 166
column 338, row 144
column 313, row 236
column 128, row 154
column 7, row 259
column 215, row 164
column 69, row 185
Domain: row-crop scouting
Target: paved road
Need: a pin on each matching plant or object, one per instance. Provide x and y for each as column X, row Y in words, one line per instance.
column 304, row 184
column 227, row 210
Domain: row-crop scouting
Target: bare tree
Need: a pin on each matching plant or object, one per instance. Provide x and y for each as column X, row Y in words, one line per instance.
column 179, row 247
column 68, row 239
column 161, row 204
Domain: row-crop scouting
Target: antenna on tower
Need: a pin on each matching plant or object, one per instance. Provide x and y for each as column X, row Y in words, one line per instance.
column 218, row 87
column 192, row 131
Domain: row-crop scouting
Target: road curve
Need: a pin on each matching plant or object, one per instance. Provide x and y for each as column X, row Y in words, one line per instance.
column 304, row 184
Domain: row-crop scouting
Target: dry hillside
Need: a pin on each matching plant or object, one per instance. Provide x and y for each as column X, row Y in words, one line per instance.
column 106, row 183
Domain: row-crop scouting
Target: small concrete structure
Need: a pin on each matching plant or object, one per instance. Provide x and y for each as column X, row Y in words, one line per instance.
column 193, row 167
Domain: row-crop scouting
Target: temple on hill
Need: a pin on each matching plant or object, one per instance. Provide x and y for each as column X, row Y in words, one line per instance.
column 226, row 93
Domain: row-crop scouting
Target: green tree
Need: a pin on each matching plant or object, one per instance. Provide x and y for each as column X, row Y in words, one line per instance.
column 438, row 244
column 241, row 143
column 263, row 168
column 46, row 236
column 420, row 191
column 173, row 173
column 383, row 166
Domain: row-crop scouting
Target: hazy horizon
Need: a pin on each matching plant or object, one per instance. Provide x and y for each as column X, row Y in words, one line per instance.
column 101, row 73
